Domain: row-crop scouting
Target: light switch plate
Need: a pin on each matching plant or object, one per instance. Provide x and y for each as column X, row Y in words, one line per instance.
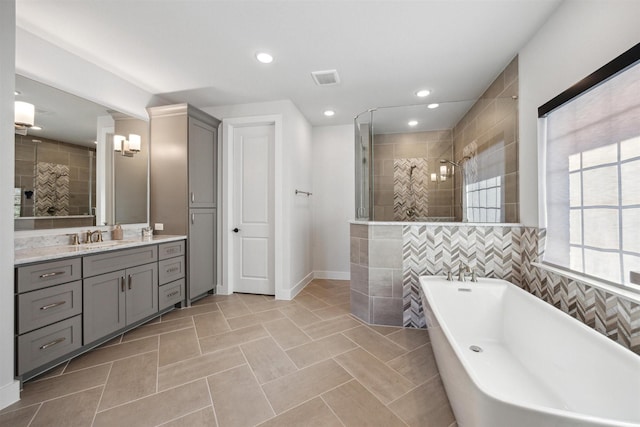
column 159, row 226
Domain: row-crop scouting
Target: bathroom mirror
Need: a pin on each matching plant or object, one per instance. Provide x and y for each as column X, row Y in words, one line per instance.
column 67, row 173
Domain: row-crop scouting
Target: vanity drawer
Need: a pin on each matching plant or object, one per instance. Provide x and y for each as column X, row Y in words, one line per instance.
column 38, row 276
column 118, row 260
column 170, row 269
column 46, row 306
column 171, row 293
column 49, row 343
column 171, row 249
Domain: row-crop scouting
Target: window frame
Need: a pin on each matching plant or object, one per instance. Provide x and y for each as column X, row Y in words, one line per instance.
column 617, row 66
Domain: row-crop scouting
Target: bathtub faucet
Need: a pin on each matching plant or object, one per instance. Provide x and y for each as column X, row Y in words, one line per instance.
column 466, row 270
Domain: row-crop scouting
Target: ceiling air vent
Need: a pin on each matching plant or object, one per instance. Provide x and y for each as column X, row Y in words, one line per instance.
column 326, row 78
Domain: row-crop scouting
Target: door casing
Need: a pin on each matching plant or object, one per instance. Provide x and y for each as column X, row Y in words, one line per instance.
column 227, row 209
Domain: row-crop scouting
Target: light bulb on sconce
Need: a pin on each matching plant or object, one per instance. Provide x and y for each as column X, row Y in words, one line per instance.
column 24, row 115
column 443, row 172
column 128, row 147
column 434, row 177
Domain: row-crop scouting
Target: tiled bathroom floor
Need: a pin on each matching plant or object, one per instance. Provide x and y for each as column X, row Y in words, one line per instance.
column 246, row 360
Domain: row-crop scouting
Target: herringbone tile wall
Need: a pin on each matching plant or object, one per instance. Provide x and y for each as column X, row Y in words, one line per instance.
column 506, row 252
column 493, row 251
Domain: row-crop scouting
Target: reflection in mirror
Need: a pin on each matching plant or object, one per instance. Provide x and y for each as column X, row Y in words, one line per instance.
column 445, row 162
column 65, row 168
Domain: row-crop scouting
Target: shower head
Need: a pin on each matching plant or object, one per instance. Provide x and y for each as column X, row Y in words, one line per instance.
column 450, row 162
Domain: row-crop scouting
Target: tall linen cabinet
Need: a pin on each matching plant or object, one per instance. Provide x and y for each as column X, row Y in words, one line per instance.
column 183, row 171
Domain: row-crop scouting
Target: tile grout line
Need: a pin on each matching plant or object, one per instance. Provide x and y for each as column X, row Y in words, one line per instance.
column 414, row 388
column 423, row 346
column 150, row 395
column 183, row 416
column 275, row 414
column 367, row 388
column 35, row 414
column 100, row 364
column 195, row 330
column 213, row 407
column 149, row 336
column 104, row 387
column 330, row 408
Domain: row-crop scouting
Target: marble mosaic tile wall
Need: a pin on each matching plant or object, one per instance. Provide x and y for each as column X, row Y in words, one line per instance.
column 51, row 189
column 428, row 146
column 387, row 260
column 410, row 189
column 614, row 316
column 80, row 167
column 493, row 251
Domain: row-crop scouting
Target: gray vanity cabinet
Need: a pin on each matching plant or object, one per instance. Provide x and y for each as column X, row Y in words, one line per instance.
column 48, row 312
column 117, row 299
column 184, row 186
column 202, row 164
column 202, row 256
column 104, row 305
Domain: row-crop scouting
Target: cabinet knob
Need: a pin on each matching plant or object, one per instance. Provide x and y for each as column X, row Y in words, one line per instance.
column 235, row 230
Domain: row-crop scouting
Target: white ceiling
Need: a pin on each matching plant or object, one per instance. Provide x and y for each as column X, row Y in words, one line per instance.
column 202, row 52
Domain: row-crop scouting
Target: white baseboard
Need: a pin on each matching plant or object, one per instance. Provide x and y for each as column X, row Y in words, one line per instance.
column 290, row 294
column 9, row 394
column 332, row 275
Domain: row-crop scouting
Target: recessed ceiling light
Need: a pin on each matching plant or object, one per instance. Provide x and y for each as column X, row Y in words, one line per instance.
column 95, row 142
column 35, row 128
column 412, row 123
column 264, row 57
column 329, row 113
column 423, row 93
column 432, row 106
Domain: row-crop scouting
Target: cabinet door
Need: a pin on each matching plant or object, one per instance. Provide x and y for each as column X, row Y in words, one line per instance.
column 142, row 292
column 202, row 252
column 103, row 308
column 202, row 164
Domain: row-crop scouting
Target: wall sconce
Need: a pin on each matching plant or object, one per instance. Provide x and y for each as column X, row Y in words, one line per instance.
column 443, row 173
column 128, row 147
column 24, row 116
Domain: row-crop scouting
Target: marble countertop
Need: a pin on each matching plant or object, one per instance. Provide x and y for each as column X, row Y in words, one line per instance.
column 437, row 223
column 46, row 253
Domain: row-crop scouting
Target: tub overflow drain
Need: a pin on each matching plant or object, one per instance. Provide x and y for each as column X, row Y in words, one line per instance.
column 475, row 349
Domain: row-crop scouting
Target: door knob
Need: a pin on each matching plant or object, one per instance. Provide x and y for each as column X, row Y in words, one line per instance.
column 235, row 230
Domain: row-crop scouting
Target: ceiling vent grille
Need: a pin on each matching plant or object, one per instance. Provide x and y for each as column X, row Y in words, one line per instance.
column 326, row 78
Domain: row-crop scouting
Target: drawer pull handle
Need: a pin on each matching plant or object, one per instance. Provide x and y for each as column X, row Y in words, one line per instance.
column 53, row 273
column 193, row 197
column 122, row 284
column 172, row 269
column 169, row 295
column 52, row 343
column 53, row 304
column 129, row 281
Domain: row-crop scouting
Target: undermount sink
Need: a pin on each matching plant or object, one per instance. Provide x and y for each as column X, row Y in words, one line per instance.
column 101, row 245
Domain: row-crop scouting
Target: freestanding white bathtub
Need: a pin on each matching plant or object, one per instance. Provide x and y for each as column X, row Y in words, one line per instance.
column 531, row 364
